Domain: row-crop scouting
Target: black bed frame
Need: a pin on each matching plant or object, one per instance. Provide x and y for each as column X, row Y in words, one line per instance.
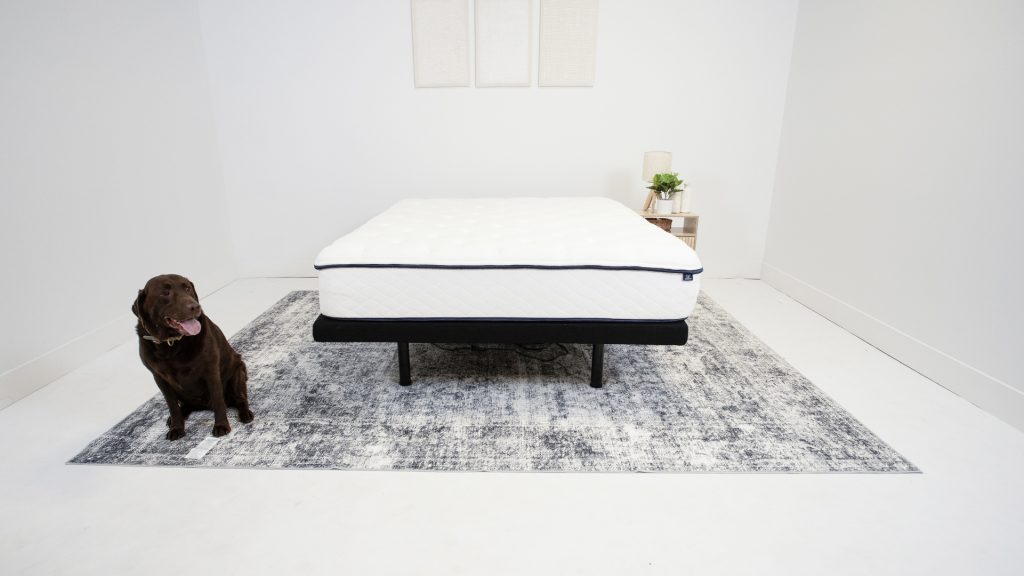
column 498, row 331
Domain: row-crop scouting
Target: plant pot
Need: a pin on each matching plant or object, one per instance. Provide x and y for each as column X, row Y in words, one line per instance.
column 663, row 206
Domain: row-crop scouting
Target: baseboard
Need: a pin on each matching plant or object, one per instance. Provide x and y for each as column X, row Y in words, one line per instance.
column 988, row 393
column 25, row 379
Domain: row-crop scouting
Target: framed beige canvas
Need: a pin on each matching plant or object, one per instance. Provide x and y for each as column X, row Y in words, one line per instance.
column 568, row 42
column 503, row 42
column 440, row 43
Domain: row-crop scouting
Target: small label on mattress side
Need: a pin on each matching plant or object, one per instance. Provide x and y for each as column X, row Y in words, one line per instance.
column 687, row 277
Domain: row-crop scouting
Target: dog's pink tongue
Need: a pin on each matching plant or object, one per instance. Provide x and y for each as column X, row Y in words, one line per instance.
column 191, row 327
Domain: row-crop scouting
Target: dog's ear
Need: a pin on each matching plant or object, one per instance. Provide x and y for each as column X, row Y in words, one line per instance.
column 193, row 287
column 137, row 305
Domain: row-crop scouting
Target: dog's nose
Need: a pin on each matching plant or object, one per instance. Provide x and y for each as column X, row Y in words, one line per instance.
column 194, row 308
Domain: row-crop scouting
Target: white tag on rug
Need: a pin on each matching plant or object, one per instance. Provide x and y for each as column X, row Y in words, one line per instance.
column 202, row 448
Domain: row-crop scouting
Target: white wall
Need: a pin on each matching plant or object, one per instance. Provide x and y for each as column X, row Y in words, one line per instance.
column 898, row 199
column 109, row 171
column 321, row 128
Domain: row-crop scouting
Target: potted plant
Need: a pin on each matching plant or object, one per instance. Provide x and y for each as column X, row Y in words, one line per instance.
column 665, row 186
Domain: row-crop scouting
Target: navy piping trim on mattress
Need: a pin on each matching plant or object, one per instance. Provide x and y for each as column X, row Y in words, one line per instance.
column 502, row 319
column 512, row 267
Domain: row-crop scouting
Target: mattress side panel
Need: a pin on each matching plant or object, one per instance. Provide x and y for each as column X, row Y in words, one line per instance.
column 502, row 293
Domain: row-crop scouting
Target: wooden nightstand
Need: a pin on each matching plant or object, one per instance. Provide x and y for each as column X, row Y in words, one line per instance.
column 687, row 232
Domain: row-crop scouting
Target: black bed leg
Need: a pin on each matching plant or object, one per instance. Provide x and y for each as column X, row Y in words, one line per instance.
column 403, row 364
column 597, row 367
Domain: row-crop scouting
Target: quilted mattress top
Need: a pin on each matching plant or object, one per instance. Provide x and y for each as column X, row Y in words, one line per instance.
column 587, row 232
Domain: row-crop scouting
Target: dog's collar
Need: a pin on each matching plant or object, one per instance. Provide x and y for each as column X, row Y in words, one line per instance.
column 170, row 341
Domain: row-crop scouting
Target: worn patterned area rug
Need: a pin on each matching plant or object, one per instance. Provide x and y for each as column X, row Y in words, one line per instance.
column 724, row 402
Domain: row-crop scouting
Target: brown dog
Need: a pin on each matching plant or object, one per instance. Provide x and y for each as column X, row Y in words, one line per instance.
column 191, row 360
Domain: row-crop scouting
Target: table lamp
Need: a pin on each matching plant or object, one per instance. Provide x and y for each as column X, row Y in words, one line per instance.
column 655, row 162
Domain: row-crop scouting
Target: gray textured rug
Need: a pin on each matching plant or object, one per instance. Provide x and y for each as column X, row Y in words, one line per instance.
column 723, row 403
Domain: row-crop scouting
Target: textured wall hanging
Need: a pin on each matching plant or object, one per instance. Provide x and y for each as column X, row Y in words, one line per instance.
column 568, row 42
column 440, row 43
column 502, row 43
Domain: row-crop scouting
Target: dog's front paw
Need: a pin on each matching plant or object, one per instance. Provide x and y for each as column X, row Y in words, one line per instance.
column 221, row 429
column 245, row 415
column 184, row 416
column 175, row 433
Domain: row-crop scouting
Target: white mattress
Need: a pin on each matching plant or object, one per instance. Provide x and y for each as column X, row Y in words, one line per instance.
column 516, row 258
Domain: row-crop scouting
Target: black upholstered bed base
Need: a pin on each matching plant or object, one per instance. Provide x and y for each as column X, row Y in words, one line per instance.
column 595, row 332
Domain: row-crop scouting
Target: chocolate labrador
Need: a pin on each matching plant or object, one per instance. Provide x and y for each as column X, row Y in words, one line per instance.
column 191, row 360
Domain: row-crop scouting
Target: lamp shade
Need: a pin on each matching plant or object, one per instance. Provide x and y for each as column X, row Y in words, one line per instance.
column 656, row 162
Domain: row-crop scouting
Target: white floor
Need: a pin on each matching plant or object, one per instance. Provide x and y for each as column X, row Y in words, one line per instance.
column 963, row 515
